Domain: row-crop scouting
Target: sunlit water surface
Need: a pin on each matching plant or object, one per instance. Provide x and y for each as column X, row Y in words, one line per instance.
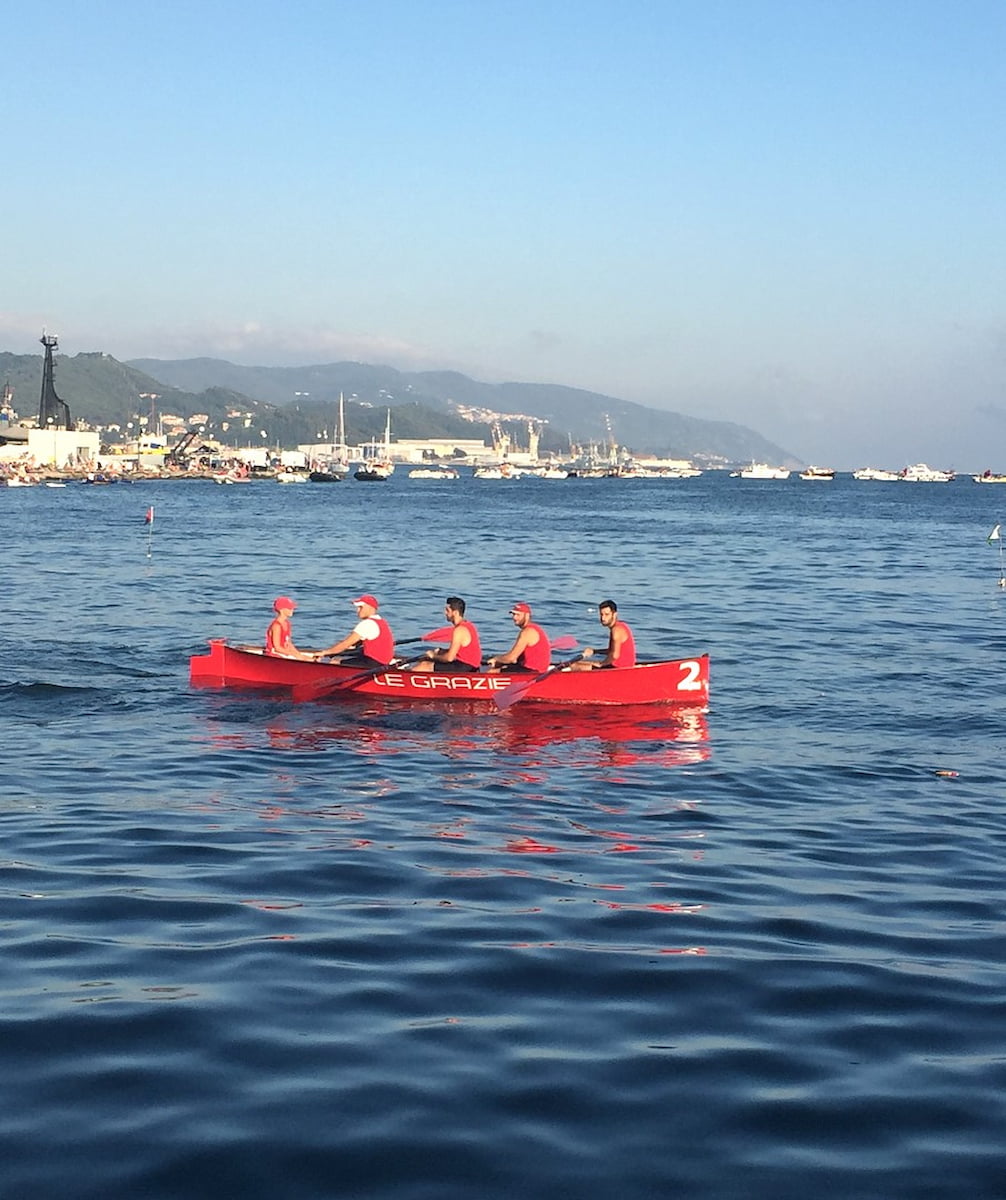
column 260, row 949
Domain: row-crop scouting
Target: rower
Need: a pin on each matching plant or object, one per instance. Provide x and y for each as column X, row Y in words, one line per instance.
column 370, row 640
column 464, row 652
column 531, row 650
column 621, row 644
column 279, row 635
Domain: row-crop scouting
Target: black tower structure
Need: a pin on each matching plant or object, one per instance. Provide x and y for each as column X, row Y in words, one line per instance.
column 53, row 413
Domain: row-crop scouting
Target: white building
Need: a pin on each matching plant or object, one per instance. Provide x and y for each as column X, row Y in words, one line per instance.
column 63, row 448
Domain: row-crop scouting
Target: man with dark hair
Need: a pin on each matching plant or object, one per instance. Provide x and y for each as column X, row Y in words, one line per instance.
column 464, row 652
column 621, row 644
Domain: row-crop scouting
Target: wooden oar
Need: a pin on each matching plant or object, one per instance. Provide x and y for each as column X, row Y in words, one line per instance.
column 523, row 683
column 322, row 687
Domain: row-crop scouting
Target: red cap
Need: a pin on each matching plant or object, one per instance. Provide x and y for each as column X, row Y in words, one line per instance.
column 283, row 602
column 520, row 607
column 366, row 598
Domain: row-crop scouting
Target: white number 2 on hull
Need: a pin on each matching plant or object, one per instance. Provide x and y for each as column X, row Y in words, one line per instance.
column 690, row 672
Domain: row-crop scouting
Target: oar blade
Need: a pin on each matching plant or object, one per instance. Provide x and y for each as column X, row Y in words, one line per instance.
column 513, row 693
column 524, row 683
column 443, row 634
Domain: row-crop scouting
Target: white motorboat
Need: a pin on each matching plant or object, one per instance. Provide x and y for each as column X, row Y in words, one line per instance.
column 762, row 471
column 921, row 473
column 875, row 475
column 434, row 473
column 504, row 471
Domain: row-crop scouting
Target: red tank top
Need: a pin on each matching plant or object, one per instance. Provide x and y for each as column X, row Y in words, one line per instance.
column 279, row 628
column 470, row 655
column 539, row 656
column 381, row 648
column 627, row 658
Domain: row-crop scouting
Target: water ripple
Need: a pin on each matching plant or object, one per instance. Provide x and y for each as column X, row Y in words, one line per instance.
column 264, row 950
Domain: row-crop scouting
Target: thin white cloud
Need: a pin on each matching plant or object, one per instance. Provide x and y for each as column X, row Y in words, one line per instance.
column 248, row 342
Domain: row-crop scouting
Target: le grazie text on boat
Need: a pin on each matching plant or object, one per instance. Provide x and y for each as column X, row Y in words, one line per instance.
column 683, row 682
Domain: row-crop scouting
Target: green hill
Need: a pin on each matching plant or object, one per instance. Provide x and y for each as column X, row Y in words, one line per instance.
column 101, row 391
column 571, row 413
column 299, row 404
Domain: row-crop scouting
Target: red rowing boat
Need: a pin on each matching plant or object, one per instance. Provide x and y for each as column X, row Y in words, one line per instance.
column 681, row 681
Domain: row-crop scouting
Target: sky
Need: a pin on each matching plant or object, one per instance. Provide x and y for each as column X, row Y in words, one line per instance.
column 791, row 215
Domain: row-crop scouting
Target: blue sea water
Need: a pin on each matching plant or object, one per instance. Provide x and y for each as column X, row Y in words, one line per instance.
column 259, row 949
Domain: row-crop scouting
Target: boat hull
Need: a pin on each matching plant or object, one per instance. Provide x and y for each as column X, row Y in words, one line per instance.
column 683, row 682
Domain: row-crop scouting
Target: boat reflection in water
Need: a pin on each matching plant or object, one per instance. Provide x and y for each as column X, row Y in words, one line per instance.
column 541, row 825
column 617, row 736
column 577, row 737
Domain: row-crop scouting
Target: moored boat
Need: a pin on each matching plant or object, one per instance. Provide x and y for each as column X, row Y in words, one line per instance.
column 818, row 473
column 989, row 477
column 921, row 473
column 875, row 475
column 761, row 471
column 374, row 471
column 505, row 470
column 434, row 473
column 333, row 467
column 377, row 465
column 683, row 682
column 234, row 475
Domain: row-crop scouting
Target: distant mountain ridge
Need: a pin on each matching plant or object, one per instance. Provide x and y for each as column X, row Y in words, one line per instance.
column 293, row 405
column 100, row 390
column 572, row 413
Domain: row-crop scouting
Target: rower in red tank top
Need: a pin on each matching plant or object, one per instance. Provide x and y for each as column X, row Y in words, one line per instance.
column 531, row 651
column 279, row 635
column 621, row 644
column 371, row 639
column 464, row 652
